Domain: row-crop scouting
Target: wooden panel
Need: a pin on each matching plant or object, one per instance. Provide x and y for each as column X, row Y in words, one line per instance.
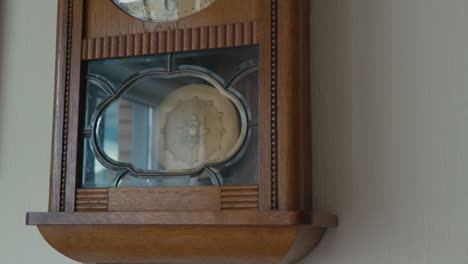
column 173, row 244
column 67, row 88
column 189, row 39
column 62, row 61
column 303, row 140
column 306, row 241
column 228, row 217
column 91, row 200
column 267, row 168
column 165, row 199
column 104, row 19
column 72, row 97
column 239, row 197
column 293, row 114
column 288, row 63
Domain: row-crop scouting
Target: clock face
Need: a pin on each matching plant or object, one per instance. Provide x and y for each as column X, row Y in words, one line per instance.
column 162, row 10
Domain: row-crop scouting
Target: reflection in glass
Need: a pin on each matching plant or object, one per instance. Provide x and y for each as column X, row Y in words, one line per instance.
column 119, row 70
column 132, row 180
column 225, row 63
column 94, row 174
column 96, row 94
column 174, row 123
column 244, row 172
column 184, row 119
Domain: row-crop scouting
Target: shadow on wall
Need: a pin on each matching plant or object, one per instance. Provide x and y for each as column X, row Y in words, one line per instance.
column 331, row 109
column 373, row 76
column 3, row 23
column 338, row 146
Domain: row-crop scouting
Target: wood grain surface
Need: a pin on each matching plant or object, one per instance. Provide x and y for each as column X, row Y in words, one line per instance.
column 92, row 200
column 294, row 111
column 227, row 217
column 165, row 199
column 170, row 244
column 239, row 197
column 61, row 76
column 265, row 142
column 72, row 99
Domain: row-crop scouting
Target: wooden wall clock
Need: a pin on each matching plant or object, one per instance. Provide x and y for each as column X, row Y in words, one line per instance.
column 182, row 133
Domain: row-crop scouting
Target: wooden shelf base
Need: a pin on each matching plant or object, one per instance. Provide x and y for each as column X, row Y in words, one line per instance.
column 142, row 243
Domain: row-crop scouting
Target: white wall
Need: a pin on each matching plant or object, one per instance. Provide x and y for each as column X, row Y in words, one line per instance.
column 27, row 50
column 391, row 129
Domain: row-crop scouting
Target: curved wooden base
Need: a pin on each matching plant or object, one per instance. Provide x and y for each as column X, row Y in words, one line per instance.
column 186, row 244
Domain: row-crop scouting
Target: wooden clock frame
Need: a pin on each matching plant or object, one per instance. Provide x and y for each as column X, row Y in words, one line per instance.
column 281, row 228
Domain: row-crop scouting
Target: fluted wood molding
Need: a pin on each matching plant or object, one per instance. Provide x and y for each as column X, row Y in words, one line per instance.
column 92, row 200
column 221, row 36
column 239, row 197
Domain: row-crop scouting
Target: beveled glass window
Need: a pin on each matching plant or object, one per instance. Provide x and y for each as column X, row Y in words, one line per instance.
column 182, row 119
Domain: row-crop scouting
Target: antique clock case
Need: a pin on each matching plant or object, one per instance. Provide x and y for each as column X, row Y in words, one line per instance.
column 182, row 133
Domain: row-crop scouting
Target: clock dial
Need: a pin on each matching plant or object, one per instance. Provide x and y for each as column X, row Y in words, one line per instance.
column 162, row 10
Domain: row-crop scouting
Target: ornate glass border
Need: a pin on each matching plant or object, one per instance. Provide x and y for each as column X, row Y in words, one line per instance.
column 225, row 88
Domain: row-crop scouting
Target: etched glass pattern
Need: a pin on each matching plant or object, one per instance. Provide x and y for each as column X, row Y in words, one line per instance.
column 184, row 119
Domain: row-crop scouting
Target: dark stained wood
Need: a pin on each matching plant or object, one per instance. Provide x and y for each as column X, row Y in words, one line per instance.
column 61, row 81
column 72, row 99
column 304, row 133
column 165, row 199
column 64, row 157
column 172, row 244
column 239, row 205
column 288, row 87
column 229, row 217
column 265, row 142
column 294, row 175
column 105, row 19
